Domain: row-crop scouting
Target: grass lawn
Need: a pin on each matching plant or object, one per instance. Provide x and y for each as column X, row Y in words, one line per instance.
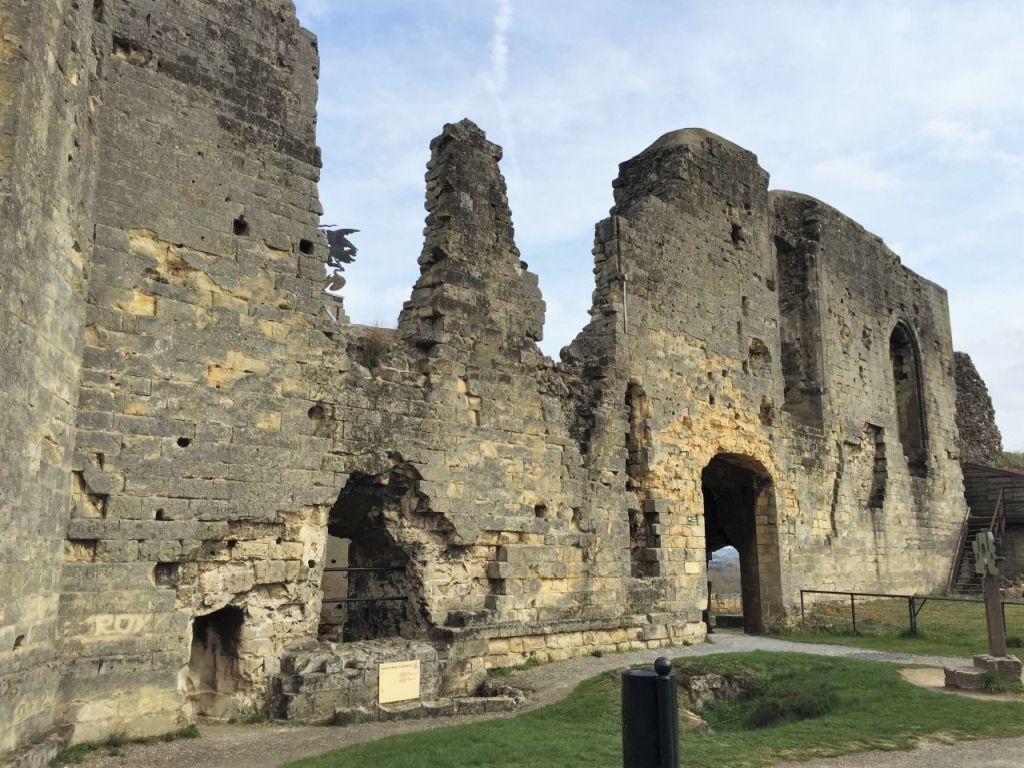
column 944, row 629
column 872, row 708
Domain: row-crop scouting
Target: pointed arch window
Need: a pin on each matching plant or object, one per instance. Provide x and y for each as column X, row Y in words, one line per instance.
column 910, row 415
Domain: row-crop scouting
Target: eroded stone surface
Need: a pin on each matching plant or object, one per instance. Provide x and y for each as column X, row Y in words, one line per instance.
column 980, row 439
column 188, row 425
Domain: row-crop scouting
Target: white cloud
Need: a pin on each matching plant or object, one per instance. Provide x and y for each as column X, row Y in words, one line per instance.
column 499, row 46
column 859, row 172
column 957, row 138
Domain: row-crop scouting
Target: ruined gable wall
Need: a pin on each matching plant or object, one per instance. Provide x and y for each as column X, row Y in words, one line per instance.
column 862, row 291
column 200, row 477
column 688, row 243
column 980, row 439
column 46, row 149
column 520, row 546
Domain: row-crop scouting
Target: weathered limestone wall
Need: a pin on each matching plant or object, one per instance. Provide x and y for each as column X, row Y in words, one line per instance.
column 201, row 475
column 46, row 148
column 889, row 523
column 685, row 271
column 510, row 533
column 757, row 371
column 980, row 439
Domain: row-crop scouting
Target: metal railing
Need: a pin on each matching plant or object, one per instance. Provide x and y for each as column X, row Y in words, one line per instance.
column 958, row 557
column 364, row 569
column 997, row 525
column 914, row 604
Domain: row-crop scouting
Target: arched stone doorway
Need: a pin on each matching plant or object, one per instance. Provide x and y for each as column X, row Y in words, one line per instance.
column 739, row 512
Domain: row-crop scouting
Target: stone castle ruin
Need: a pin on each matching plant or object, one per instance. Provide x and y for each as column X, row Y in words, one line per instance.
column 218, row 499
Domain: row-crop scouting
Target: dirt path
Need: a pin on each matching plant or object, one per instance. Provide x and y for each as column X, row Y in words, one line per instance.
column 274, row 744
column 988, row 753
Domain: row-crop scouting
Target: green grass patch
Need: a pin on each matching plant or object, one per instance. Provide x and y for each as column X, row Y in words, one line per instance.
column 944, row 629
column 801, row 707
column 113, row 744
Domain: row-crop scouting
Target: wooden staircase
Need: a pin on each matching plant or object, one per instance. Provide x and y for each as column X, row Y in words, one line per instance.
column 982, row 516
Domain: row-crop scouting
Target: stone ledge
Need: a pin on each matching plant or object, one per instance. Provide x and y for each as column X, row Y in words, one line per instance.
column 415, row 710
column 1005, row 669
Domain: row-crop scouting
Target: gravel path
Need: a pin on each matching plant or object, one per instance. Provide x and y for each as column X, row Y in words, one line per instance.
column 987, row 753
column 241, row 746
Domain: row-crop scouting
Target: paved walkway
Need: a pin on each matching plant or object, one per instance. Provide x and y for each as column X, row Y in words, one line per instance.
column 240, row 746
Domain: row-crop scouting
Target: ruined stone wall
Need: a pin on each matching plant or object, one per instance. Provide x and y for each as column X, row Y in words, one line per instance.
column 980, row 439
column 516, row 532
column 891, row 520
column 201, row 477
column 737, row 383
column 46, row 149
column 685, row 270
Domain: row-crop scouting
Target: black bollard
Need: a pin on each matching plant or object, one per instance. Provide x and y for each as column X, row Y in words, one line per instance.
column 650, row 717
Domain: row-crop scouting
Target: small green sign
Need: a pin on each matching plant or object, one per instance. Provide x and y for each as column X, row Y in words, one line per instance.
column 691, row 518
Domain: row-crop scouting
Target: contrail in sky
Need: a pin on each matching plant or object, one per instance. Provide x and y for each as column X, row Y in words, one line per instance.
column 499, row 47
column 498, row 82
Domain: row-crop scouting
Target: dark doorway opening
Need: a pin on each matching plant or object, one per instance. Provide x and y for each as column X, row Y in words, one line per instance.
column 213, row 665
column 739, row 513
column 370, row 590
column 644, row 544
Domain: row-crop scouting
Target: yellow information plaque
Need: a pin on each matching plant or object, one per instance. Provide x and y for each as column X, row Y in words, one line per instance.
column 398, row 681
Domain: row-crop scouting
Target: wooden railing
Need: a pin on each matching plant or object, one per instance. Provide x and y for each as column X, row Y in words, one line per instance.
column 998, row 525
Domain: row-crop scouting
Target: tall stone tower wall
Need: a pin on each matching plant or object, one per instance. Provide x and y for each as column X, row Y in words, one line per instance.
column 47, row 69
column 200, row 480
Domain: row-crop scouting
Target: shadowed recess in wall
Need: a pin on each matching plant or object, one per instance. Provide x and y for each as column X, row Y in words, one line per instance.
column 213, row 666
column 373, row 591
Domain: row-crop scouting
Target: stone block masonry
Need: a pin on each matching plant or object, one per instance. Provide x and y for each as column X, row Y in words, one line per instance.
column 980, row 439
column 192, row 440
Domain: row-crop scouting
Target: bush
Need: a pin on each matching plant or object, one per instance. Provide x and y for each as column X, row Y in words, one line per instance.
column 992, row 683
column 768, row 698
column 1011, row 460
column 788, row 706
column 375, row 343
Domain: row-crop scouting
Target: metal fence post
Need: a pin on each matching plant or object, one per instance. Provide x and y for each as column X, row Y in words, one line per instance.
column 853, row 612
column 650, row 717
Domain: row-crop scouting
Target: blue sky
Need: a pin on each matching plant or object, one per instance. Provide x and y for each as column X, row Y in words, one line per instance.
column 907, row 116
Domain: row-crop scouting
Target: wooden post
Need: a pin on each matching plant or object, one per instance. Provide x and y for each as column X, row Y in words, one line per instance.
column 994, row 616
column 987, row 564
